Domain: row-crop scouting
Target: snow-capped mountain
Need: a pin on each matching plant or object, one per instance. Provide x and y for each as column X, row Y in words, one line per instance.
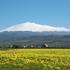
column 33, row 27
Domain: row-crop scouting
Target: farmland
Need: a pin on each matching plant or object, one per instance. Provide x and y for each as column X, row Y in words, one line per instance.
column 35, row 59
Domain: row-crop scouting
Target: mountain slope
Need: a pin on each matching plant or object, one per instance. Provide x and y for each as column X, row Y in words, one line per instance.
column 33, row 27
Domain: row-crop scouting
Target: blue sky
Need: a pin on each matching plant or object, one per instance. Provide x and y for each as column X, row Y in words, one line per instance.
column 50, row 12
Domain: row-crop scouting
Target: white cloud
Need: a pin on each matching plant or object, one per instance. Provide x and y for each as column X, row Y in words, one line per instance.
column 29, row 26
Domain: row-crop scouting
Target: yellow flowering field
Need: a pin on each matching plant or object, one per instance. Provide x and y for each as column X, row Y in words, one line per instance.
column 35, row 59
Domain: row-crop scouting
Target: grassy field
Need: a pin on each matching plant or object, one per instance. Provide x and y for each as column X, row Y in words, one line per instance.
column 35, row 59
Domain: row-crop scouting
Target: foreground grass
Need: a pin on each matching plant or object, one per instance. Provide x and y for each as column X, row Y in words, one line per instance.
column 35, row 59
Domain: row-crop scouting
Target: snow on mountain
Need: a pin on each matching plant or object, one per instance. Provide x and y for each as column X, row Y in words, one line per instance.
column 29, row 26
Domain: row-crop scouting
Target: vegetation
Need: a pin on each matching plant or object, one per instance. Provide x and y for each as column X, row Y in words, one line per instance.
column 38, row 42
column 35, row 59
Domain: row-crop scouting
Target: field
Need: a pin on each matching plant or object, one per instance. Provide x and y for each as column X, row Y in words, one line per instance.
column 35, row 59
